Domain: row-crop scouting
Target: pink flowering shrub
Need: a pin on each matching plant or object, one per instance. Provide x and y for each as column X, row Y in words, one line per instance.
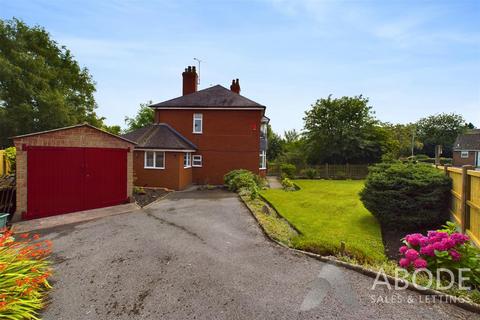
column 444, row 248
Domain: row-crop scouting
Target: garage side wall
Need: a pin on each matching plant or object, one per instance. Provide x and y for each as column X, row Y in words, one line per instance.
column 71, row 137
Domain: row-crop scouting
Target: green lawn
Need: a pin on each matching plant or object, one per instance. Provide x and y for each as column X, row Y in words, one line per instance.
column 327, row 212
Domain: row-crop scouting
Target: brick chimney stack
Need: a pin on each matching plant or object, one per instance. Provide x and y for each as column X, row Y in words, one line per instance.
column 235, row 86
column 190, row 80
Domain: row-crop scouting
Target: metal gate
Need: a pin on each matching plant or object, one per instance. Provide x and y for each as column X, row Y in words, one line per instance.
column 62, row 180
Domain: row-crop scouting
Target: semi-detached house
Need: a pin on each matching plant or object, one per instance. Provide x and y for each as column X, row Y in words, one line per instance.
column 200, row 136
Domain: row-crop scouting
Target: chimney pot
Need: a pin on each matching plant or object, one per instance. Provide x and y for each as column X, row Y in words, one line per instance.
column 235, row 86
column 190, row 82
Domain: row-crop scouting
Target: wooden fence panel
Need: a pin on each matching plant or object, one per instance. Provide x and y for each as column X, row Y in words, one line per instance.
column 456, row 202
column 473, row 206
column 465, row 203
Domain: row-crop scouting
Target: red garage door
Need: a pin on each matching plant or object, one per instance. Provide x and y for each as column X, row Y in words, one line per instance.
column 62, row 180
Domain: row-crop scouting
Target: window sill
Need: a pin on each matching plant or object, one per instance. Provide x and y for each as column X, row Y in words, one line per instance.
column 154, row 168
column 197, row 132
column 196, row 166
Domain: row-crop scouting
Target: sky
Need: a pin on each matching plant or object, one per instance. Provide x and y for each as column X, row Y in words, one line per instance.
column 410, row 58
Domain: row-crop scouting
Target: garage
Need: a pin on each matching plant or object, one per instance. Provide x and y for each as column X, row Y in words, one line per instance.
column 71, row 169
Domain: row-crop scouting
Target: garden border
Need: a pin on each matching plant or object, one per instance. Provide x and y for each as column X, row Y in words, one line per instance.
column 458, row 301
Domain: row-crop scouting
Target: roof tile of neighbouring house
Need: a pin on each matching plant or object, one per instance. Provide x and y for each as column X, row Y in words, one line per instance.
column 159, row 136
column 468, row 141
column 213, row 97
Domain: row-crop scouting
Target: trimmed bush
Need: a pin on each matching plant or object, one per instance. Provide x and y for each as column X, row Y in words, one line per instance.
column 407, row 195
column 310, row 173
column 244, row 181
column 288, row 185
column 288, row 170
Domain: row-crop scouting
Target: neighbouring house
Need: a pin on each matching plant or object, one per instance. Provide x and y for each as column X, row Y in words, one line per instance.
column 466, row 149
column 71, row 169
column 200, row 136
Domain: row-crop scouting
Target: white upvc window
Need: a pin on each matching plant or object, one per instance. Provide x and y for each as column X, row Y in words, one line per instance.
column 263, row 129
column 154, row 160
column 187, row 160
column 464, row 154
column 197, row 123
column 197, row 160
column 263, row 159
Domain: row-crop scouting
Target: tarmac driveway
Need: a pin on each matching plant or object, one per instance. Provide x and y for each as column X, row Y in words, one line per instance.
column 200, row 255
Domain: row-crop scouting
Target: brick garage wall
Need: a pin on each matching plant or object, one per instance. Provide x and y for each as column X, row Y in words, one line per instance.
column 83, row 136
column 174, row 176
column 458, row 161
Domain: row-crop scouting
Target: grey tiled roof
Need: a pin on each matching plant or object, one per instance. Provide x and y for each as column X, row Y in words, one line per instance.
column 159, row 136
column 468, row 141
column 213, row 97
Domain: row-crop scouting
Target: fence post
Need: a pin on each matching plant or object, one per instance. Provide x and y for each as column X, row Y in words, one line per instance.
column 465, row 197
column 445, row 169
column 347, row 171
column 326, row 171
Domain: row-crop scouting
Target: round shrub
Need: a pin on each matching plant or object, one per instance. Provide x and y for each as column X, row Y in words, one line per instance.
column 288, row 170
column 407, row 195
column 310, row 173
column 245, row 182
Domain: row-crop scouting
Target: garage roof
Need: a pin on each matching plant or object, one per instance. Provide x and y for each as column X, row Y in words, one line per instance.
column 72, row 127
column 159, row 136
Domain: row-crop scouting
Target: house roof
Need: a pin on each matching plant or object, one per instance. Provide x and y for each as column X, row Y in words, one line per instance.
column 213, row 97
column 468, row 141
column 72, row 127
column 159, row 136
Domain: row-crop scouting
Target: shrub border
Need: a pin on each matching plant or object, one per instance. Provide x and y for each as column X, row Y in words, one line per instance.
column 458, row 301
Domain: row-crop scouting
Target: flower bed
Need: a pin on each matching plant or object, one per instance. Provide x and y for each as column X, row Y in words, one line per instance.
column 24, row 270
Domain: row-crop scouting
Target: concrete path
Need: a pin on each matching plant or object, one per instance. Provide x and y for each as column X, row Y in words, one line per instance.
column 71, row 218
column 274, row 182
column 200, row 255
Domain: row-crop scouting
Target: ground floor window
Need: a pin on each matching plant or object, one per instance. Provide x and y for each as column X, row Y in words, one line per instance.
column 263, row 159
column 464, row 154
column 197, row 160
column 154, row 160
column 187, row 160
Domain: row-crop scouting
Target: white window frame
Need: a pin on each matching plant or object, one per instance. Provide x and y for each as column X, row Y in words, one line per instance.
column 198, row 116
column 154, row 160
column 188, row 157
column 263, row 129
column 198, row 158
column 263, row 159
column 464, row 154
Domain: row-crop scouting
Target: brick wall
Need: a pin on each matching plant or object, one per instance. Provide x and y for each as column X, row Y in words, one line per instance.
column 458, row 161
column 83, row 136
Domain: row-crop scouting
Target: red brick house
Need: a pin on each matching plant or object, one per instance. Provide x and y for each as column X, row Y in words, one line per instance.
column 200, row 136
column 466, row 149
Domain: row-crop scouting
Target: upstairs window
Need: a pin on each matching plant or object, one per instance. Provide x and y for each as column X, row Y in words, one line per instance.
column 187, row 160
column 197, row 123
column 197, row 160
column 154, row 160
column 263, row 159
column 464, row 154
column 263, row 130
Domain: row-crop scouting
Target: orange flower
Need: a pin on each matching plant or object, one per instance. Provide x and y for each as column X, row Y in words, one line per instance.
column 36, row 236
column 24, row 235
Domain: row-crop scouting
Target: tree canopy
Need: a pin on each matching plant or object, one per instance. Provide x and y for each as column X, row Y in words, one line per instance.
column 145, row 116
column 441, row 129
column 343, row 130
column 42, row 87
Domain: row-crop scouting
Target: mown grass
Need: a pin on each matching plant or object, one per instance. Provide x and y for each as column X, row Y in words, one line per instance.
column 327, row 212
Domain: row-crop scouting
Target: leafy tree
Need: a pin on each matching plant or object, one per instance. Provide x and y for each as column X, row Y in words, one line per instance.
column 42, row 87
column 115, row 129
column 440, row 129
column 145, row 116
column 294, row 149
column 344, row 130
column 400, row 139
column 275, row 144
